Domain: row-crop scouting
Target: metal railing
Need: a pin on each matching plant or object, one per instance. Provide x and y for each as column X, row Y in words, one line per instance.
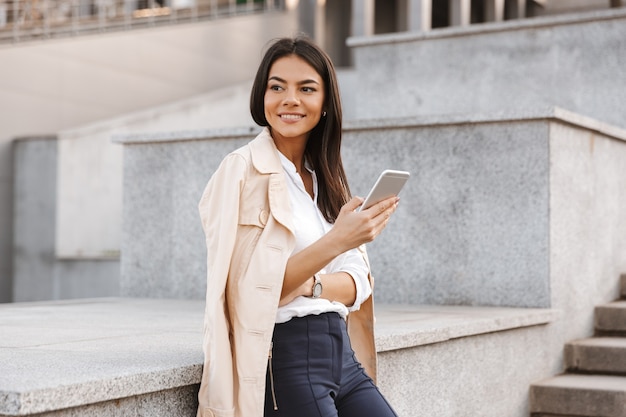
column 42, row 19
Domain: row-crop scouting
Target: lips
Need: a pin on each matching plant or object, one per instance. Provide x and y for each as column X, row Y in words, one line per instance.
column 291, row 116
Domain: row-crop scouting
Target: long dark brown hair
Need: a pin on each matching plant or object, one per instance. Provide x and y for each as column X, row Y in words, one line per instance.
column 323, row 148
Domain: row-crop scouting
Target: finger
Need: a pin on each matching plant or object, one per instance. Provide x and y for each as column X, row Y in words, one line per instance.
column 354, row 203
column 383, row 206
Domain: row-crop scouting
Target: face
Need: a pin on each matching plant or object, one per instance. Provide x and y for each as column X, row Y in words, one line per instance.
column 294, row 98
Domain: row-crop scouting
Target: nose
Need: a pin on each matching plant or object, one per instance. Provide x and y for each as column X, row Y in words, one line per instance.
column 291, row 98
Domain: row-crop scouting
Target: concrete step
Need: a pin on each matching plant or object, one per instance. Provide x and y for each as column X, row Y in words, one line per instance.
column 143, row 357
column 603, row 355
column 579, row 395
column 610, row 319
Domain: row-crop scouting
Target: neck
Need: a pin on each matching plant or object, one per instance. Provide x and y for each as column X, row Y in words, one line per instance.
column 294, row 151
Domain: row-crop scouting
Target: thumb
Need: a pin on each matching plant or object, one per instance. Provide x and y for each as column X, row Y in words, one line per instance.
column 354, row 203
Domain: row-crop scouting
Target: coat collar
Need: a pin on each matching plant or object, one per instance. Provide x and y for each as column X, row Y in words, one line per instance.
column 266, row 160
column 265, row 154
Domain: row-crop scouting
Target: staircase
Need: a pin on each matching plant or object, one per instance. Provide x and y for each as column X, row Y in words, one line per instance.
column 595, row 382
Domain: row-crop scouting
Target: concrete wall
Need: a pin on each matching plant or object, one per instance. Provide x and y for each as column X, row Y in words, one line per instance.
column 472, row 228
column 588, row 220
column 487, row 375
column 163, row 251
column 486, row 219
column 521, row 209
column 89, row 215
column 575, row 62
column 37, row 272
column 34, row 200
column 46, row 87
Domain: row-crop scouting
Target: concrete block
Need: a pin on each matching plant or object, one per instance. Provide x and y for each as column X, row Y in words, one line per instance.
column 34, row 211
column 143, row 357
column 604, row 355
column 472, row 227
column 499, row 211
column 176, row 402
column 96, row 351
column 611, row 318
column 579, row 395
column 573, row 61
column 162, row 239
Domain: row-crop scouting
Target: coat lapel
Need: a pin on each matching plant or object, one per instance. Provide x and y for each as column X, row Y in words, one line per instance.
column 266, row 160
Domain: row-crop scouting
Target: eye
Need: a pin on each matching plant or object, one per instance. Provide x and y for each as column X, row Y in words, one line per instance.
column 275, row 87
column 308, row 89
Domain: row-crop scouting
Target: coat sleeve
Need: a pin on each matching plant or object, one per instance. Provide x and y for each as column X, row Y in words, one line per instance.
column 360, row 325
column 219, row 208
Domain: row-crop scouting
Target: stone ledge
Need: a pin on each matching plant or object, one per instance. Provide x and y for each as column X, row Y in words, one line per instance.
column 405, row 326
column 547, row 113
column 58, row 355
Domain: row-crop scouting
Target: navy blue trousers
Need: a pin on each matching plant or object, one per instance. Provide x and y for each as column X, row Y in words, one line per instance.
column 313, row 373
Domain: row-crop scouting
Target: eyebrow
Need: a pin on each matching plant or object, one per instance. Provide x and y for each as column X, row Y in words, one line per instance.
column 307, row 81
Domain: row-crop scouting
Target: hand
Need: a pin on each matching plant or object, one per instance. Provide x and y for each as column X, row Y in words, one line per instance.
column 353, row 228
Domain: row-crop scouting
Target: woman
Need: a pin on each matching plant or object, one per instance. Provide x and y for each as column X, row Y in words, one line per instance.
column 286, row 266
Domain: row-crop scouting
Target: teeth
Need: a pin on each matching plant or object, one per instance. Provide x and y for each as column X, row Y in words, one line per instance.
column 291, row 116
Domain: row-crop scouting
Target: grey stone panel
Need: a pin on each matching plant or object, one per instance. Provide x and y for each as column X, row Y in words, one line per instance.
column 472, row 225
column 574, row 62
column 143, row 357
column 85, row 278
column 34, row 211
column 177, row 402
column 509, row 210
column 163, row 249
column 486, row 376
column 37, row 272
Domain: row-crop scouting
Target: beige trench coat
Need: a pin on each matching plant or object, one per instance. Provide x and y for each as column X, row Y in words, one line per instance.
column 246, row 217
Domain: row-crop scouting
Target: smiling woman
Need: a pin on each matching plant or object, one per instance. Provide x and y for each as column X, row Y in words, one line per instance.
column 289, row 291
column 293, row 102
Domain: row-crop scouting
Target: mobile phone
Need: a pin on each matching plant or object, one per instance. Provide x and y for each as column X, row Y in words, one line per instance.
column 388, row 184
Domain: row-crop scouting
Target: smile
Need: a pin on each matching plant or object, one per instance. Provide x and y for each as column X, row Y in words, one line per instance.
column 291, row 116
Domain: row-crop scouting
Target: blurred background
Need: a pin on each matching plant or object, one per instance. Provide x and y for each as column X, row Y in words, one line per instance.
column 76, row 73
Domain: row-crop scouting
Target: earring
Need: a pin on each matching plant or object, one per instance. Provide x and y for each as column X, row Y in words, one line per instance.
column 324, row 114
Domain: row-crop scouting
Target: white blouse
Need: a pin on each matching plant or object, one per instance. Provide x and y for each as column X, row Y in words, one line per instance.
column 310, row 225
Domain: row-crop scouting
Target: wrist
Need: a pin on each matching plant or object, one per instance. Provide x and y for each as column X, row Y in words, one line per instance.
column 334, row 244
column 307, row 287
column 316, row 289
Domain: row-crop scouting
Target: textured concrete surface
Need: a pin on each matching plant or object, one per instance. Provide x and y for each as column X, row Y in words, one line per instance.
column 114, row 357
column 490, row 205
column 482, row 376
column 472, row 227
column 69, row 354
column 598, row 354
column 611, row 317
column 580, row 395
column 38, row 273
column 34, row 212
column 572, row 61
